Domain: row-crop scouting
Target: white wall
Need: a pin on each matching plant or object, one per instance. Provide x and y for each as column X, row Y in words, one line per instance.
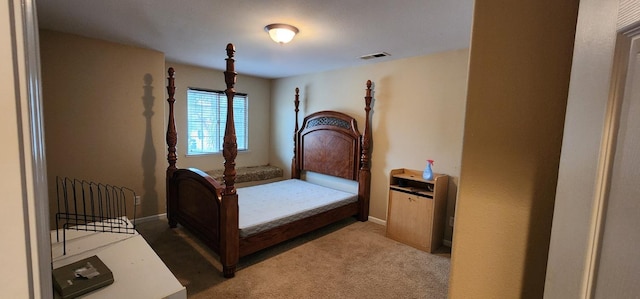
column 417, row 114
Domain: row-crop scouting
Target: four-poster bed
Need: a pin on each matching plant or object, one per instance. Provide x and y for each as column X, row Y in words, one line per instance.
column 231, row 221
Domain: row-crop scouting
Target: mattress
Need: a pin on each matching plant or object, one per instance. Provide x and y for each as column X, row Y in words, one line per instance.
column 263, row 207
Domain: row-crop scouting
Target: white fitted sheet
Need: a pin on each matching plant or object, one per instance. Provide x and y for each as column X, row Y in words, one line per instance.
column 263, row 207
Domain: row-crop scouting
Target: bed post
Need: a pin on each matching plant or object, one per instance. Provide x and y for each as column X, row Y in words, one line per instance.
column 364, row 177
column 172, row 140
column 229, row 235
column 295, row 171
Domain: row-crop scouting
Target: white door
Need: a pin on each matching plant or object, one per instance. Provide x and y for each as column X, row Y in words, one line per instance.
column 618, row 265
column 594, row 250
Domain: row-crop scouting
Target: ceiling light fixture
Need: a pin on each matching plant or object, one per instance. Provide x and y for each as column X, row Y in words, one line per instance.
column 281, row 33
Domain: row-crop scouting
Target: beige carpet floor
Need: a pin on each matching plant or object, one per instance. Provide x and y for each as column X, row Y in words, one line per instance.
column 349, row 259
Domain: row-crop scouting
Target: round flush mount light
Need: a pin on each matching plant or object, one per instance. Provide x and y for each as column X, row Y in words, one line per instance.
column 281, row 33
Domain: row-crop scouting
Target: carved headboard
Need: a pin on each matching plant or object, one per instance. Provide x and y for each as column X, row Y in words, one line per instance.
column 329, row 143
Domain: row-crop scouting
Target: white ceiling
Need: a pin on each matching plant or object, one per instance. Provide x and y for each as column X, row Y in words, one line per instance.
column 333, row 33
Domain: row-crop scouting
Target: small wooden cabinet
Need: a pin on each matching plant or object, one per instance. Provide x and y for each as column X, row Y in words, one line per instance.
column 417, row 209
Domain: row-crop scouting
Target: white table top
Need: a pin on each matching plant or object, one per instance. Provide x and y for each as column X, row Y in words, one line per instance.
column 137, row 270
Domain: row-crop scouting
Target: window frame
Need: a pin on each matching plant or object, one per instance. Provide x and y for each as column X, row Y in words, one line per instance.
column 219, row 100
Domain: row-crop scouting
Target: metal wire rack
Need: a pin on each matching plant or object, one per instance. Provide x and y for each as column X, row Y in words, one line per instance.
column 95, row 207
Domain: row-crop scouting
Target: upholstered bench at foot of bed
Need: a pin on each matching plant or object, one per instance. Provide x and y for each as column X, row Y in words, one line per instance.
column 250, row 174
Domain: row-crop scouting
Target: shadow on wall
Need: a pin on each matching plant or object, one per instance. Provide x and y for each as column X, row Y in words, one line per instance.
column 149, row 195
column 380, row 93
column 452, row 197
column 539, row 228
column 372, row 112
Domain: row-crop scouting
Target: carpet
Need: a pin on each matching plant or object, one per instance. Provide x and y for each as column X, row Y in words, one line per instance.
column 348, row 259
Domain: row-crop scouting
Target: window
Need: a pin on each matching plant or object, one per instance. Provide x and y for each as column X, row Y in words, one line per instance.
column 206, row 120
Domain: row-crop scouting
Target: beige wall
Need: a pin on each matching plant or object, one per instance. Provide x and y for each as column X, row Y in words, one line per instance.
column 258, row 90
column 103, row 115
column 418, row 114
column 95, row 122
column 518, row 83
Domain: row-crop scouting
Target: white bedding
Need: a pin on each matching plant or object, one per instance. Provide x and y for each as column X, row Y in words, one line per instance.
column 266, row 206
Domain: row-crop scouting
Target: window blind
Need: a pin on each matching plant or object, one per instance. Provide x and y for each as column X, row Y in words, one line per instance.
column 206, row 120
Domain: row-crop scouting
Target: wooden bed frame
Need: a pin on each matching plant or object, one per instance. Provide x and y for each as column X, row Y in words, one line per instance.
column 328, row 142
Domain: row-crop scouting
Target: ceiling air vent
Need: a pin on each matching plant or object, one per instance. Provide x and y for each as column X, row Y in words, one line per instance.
column 375, row 55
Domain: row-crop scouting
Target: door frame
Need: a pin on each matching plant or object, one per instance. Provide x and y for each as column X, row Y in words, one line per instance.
column 26, row 68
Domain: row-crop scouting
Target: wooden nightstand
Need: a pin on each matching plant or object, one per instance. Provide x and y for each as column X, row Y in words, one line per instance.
column 417, row 209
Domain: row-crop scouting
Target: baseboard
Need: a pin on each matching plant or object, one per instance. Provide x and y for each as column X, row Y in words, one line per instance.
column 446, row 243
column 377, row 221
column 151, row 218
